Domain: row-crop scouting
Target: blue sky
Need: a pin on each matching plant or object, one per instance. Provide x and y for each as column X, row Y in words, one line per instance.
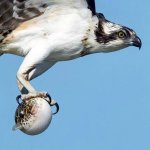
column 104, row 98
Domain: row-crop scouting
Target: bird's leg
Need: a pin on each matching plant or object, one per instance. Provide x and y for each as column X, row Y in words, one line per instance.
column 22, row 89
column 25, row 87
column 34, row 64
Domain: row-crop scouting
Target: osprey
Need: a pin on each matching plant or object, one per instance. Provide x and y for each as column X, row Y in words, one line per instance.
column 45, row 32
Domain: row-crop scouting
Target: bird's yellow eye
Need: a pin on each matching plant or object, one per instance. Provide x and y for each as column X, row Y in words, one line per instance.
column 121, row 34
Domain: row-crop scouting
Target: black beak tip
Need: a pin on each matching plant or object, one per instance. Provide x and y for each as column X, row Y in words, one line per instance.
column 137, row 42
column 140, row 44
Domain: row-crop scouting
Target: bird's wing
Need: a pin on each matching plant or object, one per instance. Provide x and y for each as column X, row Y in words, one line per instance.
column 26, row 9
column 12, row 12
column 7, row 22
column 91, row 6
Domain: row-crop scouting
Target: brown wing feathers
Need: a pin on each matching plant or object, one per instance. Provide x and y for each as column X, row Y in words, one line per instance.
column 10, row 16
column 7, row 22
column 91, row 6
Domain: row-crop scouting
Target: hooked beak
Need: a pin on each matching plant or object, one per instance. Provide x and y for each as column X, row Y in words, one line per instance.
column 137, row 42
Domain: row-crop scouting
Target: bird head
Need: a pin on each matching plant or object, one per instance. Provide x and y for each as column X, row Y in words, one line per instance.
column 112, row 36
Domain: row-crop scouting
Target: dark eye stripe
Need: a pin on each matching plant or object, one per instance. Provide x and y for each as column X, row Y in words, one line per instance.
column 127, row 33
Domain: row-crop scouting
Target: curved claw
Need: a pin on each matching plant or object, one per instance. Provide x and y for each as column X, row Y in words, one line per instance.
column 57, row 108
column 49, row 97
column 18, row 98
column 53, row 103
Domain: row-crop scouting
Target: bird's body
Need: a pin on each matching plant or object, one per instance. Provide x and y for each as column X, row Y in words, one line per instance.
column 61, row 32
column 48, row 31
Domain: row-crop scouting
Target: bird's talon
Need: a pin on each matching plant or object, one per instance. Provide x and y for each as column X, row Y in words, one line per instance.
column 46, row 96
column 18, row 99
column 57, row 108
column 54, row 103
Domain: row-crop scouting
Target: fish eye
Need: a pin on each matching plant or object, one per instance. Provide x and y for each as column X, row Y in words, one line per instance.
column 121, row 34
